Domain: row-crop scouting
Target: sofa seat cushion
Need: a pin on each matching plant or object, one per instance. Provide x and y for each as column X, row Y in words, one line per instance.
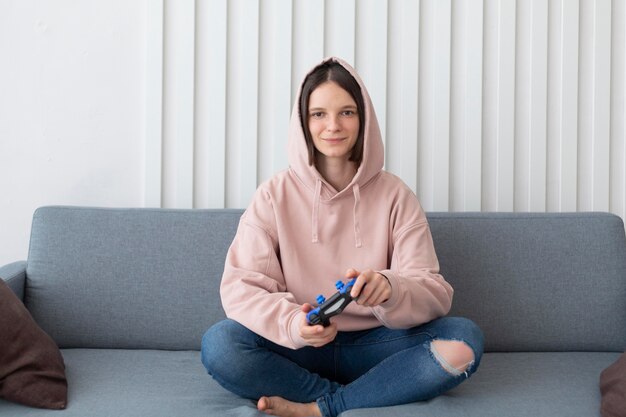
column 174, row 383
column 139, row 383
column 521, row 385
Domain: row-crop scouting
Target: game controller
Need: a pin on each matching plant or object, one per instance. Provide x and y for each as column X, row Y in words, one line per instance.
column 333, row 306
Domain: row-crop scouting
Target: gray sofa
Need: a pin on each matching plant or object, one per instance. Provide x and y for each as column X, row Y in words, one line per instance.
column 128, row 293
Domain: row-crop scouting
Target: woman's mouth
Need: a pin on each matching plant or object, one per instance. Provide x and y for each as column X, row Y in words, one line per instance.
column 333, row 140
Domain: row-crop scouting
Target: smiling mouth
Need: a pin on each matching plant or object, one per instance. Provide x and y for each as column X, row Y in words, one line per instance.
column 333, row 139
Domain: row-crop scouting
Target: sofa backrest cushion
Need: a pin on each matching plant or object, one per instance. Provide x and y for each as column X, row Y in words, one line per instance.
column 149, row 278
column 537, row 281
column 127, row 278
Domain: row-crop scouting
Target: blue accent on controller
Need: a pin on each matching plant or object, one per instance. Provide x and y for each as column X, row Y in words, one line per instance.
column 333, row 306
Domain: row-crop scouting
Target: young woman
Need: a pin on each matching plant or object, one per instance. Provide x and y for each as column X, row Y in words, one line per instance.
column 335, row 214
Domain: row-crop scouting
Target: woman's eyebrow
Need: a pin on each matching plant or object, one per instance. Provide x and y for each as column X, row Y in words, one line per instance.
column 349, row 106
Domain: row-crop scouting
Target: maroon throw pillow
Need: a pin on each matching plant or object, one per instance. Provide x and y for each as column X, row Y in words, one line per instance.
column 613, row 389
column 32, row 371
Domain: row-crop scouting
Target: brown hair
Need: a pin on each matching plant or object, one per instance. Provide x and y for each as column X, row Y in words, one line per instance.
column 332, row 71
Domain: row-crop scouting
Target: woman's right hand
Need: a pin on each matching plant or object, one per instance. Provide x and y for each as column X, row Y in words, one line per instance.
column 316, row 335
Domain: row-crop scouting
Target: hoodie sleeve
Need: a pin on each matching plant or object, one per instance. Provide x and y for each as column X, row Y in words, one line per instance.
column 419, row 293
column 253, row 289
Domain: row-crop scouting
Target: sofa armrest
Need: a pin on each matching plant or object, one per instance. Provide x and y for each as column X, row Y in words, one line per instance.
column 14, row 274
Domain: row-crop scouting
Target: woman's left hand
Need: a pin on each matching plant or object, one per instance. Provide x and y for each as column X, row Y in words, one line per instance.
column 371, row 288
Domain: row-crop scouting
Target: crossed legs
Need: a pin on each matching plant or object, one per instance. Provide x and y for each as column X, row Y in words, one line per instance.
column 373, row 368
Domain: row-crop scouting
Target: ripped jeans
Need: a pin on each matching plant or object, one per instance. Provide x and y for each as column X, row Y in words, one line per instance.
column 370, row 368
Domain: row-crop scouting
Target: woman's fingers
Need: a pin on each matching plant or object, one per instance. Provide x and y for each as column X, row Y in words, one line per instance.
column 371, row 288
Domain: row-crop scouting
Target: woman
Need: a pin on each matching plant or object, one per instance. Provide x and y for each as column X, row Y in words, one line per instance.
column 336, row 214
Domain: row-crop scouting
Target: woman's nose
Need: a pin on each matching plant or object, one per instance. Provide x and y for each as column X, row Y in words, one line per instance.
column 333, row 124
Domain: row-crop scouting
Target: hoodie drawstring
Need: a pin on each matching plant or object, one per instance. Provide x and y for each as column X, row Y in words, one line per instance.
column 355, row 213
column 357, row 228
column 316, row 209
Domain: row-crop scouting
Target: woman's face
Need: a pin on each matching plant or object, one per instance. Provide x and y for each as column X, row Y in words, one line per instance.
column 333, row 121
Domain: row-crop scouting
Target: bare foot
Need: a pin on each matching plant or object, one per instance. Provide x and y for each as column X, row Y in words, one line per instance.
column 278, row 406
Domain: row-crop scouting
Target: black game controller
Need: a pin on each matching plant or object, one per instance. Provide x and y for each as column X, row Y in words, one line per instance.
column 333, row 306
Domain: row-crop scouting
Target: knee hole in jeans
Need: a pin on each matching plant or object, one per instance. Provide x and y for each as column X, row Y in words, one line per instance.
column 454, row 356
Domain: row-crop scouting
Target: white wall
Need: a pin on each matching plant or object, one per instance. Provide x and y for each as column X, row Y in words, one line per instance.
column 71, row 109
column 484, row 104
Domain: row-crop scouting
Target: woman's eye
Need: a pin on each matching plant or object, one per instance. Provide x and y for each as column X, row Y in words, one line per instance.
column 317, row 115
column 348, row 113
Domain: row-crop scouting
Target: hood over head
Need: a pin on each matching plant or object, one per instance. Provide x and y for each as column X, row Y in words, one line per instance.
column 373, row 153
column 371, row 164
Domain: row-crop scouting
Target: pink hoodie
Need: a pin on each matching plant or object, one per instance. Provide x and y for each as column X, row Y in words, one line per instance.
column 299, row 236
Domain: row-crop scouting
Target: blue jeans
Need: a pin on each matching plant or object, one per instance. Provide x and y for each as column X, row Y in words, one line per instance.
column 370, row 368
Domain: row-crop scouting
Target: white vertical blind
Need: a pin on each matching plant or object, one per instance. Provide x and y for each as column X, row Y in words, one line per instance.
column 274, row 86
column 371, row 53
column 493, row 105
column 531, row 105
column 434, row 104
column 499, row 105
column 210, row 99
column 594, row 104
column 178, row 104
column 154, row 104
column 308, row 38
column 242, row 102
column 618, row 109
column 562, row 111
column 340, row 32
column 402, row 84
column 466, row 105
